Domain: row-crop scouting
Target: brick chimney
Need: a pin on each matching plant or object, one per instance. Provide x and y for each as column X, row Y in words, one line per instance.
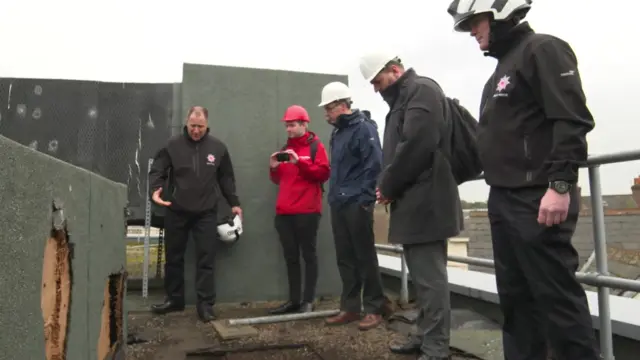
column 635, row 191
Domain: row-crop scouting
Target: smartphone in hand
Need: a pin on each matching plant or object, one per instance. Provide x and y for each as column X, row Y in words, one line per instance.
column 282, row 157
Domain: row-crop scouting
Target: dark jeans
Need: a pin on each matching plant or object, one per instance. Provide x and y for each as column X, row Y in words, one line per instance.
column 203, row 228
column 352, row 227
column 541, row 300
column 298, row 234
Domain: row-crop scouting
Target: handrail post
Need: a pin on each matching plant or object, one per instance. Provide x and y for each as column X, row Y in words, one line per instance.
column 600, row 246
column 404, row 289
column 147, row 234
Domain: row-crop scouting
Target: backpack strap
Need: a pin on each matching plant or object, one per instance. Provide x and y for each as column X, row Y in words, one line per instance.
column 313, row 150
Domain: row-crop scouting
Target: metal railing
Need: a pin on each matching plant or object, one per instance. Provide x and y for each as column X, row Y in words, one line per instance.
column 601, row 278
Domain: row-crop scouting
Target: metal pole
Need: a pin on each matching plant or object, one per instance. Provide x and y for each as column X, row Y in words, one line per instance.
column 472, row 260
column 588, row 263
column 147, row 234
column 600, row 239
column 612, row 282
column 456, row 258
column 604, row 159
column 589, row 278
column 391, row 248
column 282, row 318
column 613, row 158
column 404, row 289
column 631, row 293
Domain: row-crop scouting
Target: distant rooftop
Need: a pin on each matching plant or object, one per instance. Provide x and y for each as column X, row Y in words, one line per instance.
column 630, row 202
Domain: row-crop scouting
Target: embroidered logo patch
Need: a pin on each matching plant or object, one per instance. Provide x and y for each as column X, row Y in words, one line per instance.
column 503, row 83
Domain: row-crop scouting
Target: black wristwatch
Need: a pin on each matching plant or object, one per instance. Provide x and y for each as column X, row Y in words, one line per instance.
column 561, row 187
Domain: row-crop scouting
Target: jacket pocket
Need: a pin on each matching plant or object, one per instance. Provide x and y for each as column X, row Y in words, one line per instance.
column 345, row 193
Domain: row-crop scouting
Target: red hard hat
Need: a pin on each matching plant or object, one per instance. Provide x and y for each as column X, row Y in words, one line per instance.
column 296, row 113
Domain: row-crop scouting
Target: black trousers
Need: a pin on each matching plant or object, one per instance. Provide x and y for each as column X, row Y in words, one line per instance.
column 541, row 300
column 357, row 259
column 298, row 234
column 203, row 229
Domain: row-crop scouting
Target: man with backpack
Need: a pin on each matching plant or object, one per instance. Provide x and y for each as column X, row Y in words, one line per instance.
column 356, row 160
column 299, row 169
column 534, row 121
column 419, row 186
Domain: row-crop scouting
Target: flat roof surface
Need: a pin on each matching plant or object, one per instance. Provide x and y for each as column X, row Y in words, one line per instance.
column 170, row 337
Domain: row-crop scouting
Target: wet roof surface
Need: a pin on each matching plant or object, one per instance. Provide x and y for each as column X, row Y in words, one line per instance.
column 171, row 337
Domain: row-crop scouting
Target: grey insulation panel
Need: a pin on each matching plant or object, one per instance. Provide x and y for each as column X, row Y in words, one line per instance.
column 246, row 106
column 94, row 209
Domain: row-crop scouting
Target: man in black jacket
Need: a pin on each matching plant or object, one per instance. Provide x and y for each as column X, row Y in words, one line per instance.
column 200, row 171
column 532, row 140
column 418, row 184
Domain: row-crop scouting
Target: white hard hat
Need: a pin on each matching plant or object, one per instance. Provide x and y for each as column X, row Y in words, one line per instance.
column 334, row 91
column 371, row 64
column 230, row 231
column 463, row 10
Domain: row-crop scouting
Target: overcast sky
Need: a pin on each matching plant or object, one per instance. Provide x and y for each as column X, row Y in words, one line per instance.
column 144, row 41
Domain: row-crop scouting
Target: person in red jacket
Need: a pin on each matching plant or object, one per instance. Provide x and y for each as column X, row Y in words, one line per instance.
column 299, row 169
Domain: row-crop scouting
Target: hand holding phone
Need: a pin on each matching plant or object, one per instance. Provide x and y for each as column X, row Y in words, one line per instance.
column 282, row 157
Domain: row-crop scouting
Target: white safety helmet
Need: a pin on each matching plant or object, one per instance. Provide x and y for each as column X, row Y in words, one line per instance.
column 334, row 91
column 463, row 10
column 230, row 231
column 371, row 64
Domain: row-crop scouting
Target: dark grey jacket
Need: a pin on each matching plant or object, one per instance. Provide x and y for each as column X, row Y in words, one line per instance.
column 201, row 173
column 416, row 175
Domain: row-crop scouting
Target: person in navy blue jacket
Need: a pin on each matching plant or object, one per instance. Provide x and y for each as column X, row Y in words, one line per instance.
column 356, row 162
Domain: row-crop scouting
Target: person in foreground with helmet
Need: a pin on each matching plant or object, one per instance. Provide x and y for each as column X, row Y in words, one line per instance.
column 299, row 169
column 199, row 169
column 418, row 185
column 532, row 140
column 356, row 160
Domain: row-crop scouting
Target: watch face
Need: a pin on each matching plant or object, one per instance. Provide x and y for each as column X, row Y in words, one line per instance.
column 561, row 187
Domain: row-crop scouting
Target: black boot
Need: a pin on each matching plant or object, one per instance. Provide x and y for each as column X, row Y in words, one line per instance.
column 427, row 357
column 286, row 308
column 306, row 307
column 409, row 346
column 168, row 306
column 205, row 312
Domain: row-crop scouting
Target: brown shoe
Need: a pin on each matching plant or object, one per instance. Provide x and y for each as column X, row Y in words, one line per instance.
column 342, row 318
column 370, row 321
column 387, row 308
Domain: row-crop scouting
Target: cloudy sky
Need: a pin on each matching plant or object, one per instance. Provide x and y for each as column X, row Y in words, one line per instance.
column 142, row 41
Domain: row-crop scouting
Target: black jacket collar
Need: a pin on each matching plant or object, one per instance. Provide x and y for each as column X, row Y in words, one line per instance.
column 505, row 39
column 392, row 92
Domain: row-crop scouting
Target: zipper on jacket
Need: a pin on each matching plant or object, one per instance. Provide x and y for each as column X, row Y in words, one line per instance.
column 527, row 156
column 197, row 163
